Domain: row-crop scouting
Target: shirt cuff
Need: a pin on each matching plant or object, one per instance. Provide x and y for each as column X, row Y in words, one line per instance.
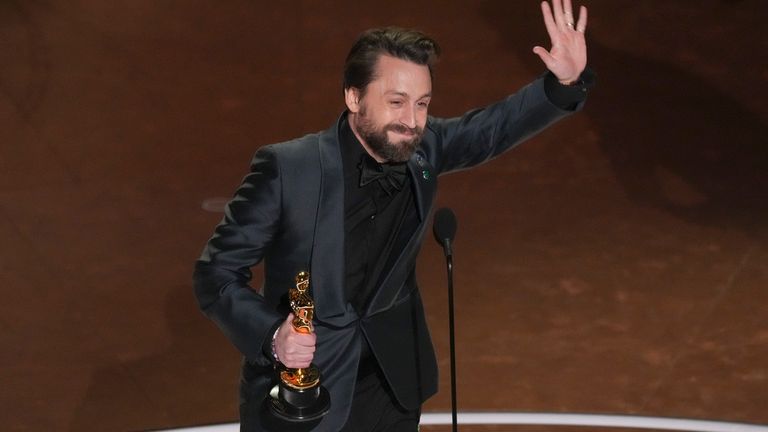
column 567, row 97
column 266, row 347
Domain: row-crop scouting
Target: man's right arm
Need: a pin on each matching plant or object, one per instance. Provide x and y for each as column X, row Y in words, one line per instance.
column 222, row 274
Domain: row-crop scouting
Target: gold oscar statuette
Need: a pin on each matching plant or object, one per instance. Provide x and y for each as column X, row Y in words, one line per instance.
column 300, row 396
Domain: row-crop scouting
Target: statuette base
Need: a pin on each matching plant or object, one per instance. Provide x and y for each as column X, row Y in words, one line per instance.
column 294, row 405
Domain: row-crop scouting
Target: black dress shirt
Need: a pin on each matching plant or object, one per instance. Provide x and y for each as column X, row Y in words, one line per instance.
column 373, row 215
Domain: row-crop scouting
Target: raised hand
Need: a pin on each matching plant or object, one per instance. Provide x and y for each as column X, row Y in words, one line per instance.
column 568, row 56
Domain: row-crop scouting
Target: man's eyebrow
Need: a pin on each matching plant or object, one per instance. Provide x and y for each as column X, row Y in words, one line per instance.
column 406, row 95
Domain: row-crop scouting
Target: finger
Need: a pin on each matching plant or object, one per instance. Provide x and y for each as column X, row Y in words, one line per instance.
column 297, row 363
column 549, row 22
column 293, row 352
column 557, row 8
column 299, row 338
column 544, row 56
column 568, row 13
column 582, row 24
column 300, row 357
column 306, row 340
column 286, row 328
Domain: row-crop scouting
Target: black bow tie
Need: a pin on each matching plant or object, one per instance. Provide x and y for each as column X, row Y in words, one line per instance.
column 390, row 177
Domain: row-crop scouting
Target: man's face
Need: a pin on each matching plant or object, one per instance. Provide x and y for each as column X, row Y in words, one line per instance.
column 389, row 118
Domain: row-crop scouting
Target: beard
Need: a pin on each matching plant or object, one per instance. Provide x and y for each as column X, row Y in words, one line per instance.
column 379, row 143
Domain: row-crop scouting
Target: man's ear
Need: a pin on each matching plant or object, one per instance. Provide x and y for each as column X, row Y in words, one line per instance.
column 352, row 99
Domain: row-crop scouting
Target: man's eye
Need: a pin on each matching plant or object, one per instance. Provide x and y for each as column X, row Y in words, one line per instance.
column 396, row 103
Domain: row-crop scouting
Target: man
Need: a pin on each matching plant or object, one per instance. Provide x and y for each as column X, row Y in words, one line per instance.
column 351, row 205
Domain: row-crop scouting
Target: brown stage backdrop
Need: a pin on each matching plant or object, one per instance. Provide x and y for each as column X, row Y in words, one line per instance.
column 617, row 263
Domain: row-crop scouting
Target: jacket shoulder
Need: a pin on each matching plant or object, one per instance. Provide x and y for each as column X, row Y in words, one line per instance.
column 297, row 147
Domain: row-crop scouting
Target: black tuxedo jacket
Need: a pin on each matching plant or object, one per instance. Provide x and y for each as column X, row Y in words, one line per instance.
column 289, row 212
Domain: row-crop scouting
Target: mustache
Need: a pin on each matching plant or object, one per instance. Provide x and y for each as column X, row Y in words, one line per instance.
column 399, row 128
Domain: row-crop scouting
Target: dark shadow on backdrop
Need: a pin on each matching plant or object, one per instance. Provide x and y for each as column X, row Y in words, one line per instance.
column 179, row 386
column 675, row 142
column 27, row 87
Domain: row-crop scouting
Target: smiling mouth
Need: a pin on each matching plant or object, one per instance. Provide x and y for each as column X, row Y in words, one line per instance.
column 401, row 130
column 405, row 133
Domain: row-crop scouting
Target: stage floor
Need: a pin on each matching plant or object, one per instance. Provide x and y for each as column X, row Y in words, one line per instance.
column 614, row 264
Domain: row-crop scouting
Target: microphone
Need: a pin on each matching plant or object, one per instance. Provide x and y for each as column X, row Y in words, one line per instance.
column 445, row 229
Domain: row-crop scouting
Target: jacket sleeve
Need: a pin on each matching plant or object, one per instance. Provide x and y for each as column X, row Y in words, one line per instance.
column 482, row 134
column 222, row 274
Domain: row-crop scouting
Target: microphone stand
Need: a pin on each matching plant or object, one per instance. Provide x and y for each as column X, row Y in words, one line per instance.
column 449, row 264
column 445, row 230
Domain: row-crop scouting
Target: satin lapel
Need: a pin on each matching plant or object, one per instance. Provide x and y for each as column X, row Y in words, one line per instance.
column 425, row 186
column 425, row 178
column 327, row 272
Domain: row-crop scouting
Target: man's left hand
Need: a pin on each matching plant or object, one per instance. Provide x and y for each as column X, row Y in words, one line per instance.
column 568, row 56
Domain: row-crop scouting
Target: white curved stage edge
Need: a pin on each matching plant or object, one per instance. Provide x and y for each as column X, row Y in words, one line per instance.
column 557, row 419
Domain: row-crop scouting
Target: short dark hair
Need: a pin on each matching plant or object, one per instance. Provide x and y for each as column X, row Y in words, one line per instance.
column 410, row 45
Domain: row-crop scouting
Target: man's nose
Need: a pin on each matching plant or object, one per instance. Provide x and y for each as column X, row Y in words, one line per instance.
column 408, row 117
